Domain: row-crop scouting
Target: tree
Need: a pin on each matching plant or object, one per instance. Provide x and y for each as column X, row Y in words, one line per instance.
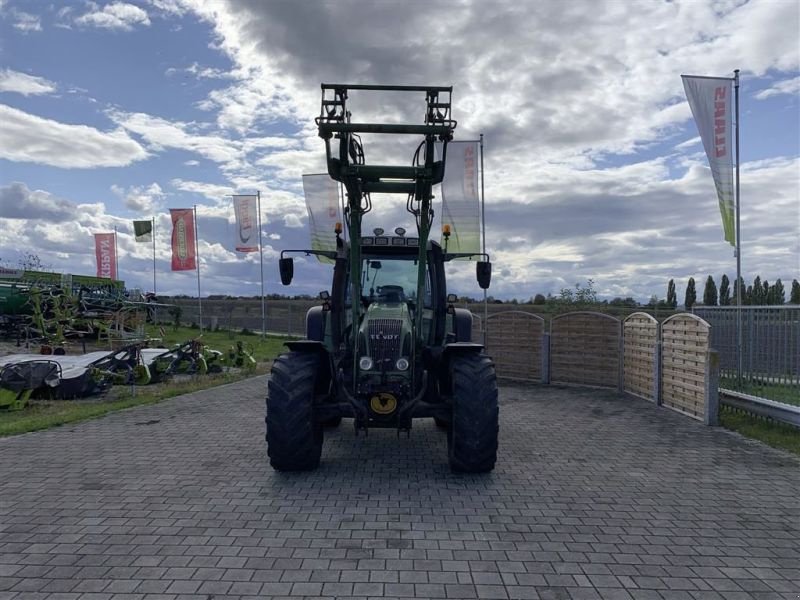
column 794, row 296
column 539, row 299
column 672, row 297
column 691, row 294
column 758, row 290
column 30, row 261
column 581, row 295
column 724, row 291
column 739, row 289
column 777, row 293
column 765, row 293
column 710, row 292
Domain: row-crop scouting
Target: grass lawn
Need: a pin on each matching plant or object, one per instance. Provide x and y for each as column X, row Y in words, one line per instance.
column 777, row 435
column 262, row 348
column 42, row 414
column 778, row 393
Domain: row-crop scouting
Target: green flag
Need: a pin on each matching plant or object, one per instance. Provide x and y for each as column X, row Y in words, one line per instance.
column 143, row 230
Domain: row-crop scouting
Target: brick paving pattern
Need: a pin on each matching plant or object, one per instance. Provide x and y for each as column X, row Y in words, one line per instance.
column 593, row 497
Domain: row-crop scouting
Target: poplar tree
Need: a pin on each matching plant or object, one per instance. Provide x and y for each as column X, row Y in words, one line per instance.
column 710, row 292
column 691, row 294
column 724, row 291
column 794, row 296
column 672, row 297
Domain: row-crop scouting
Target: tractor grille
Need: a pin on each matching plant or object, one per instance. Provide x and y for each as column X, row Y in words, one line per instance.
column 384, row 341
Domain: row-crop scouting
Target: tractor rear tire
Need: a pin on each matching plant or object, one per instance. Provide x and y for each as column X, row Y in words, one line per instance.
column 472, row 436
column 294, row 439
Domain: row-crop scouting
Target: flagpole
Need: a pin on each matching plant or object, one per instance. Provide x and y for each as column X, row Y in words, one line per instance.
column 116, row 254
column 261, row 254
column 153, row 219
column 197, row 259
column 738, row 242
column 483, row 236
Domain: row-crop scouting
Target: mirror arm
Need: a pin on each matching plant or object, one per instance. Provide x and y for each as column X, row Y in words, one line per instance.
column 327, row 253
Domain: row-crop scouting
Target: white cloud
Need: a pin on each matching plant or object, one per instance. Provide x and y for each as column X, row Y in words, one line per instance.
column 787, row 86
column 292, row 221
column 19, row 202
column 29, row 138
column 201, row 72
column 117, row 15
column 26, row 22
column 22, row 83
column 144, row 199
column 160, row 133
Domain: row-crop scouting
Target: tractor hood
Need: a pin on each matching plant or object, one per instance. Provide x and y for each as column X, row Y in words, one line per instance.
column 386, row 333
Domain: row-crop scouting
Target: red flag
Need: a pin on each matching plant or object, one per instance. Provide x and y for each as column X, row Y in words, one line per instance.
column 183, row 254
column 106, row 253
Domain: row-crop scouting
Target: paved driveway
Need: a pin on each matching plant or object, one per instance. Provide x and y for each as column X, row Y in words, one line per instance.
column 593, row 497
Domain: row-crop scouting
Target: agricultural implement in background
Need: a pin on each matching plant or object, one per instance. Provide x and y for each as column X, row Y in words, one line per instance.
column 20, row 380
column 53, row 309
column 27, row 376
column 385, row 353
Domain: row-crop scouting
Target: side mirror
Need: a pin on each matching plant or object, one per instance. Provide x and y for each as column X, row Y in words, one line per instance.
column 452, row 298
column 286, row 266
column 483, row 269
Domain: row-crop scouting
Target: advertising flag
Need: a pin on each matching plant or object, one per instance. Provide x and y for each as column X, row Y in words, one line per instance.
column 461, row 198
column 245, row 208
column 183, row 249
column 105, row 251
column 711, row 101
column 322, row 202
column 143, row 231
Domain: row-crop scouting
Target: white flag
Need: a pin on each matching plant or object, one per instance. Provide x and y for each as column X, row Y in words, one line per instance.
column 460, row 197
column 711, row 101
column 246, row 210
column 322, row 202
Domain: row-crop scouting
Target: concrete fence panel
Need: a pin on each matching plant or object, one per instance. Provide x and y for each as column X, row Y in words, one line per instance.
column 639, row 362
column 684, row 357
column 514, row 341
column 585, row 349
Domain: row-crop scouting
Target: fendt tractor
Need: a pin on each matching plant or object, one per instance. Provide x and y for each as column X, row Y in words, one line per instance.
column 387, row 344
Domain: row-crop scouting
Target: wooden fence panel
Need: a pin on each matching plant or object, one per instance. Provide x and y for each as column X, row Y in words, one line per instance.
column 585, row 349
column 514, row 341
column 684, row 352
column 640, row 336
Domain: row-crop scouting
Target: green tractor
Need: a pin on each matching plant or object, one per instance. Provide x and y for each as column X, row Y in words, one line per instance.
column 387, row 345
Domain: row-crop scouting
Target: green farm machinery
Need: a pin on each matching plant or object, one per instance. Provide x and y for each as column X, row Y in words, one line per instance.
column 387, row 345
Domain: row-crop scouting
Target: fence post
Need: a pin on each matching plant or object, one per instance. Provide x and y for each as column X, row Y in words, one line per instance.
column 546, row 357
column 712, row 388
column 657, row 373
column 621, row 360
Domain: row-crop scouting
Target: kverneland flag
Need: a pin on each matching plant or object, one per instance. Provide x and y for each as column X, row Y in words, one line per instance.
column 246, row 210
column 183, row 251
column 322, row 202
column 460, row 197
column 106, row 253
column 711, row 101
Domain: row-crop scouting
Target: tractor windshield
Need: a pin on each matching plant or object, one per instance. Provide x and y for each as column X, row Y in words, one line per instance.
column 392, row 280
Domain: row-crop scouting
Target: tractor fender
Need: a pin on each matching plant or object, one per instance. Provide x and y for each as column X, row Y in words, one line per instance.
column 325, row 377
column 448, row 352
column 315, row 324
column 462, row 325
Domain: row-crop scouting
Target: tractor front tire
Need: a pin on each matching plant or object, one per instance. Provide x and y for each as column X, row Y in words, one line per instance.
column 294, row 439
column 472, row 435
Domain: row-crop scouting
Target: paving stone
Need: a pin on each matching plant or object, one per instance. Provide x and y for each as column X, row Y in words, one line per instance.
column 593, row 496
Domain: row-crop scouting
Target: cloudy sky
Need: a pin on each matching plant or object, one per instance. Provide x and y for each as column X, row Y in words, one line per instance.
column 112, row 111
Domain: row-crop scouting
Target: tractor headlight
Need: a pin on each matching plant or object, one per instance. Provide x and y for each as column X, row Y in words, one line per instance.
column 402, row 364
column 365, row 363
